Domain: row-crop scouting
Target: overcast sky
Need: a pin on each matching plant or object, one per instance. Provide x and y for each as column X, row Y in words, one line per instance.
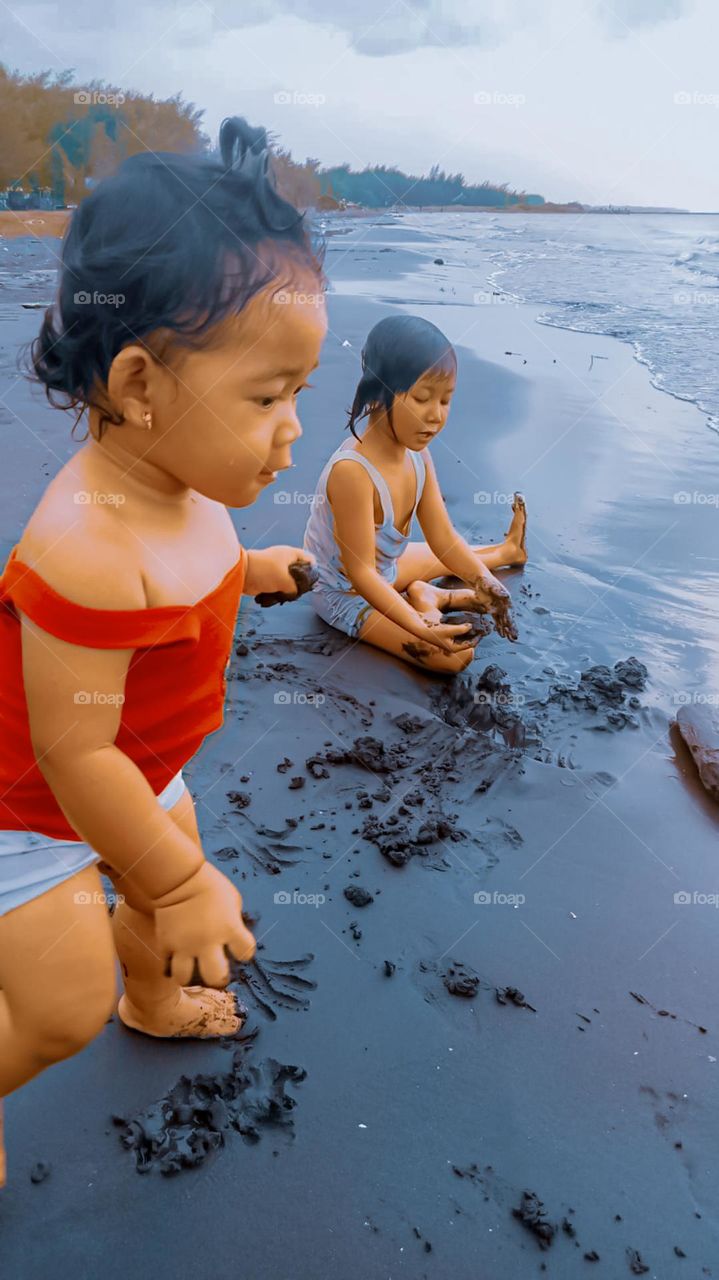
column 603, row 101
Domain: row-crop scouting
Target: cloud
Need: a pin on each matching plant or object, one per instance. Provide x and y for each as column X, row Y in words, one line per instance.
column 621, row 17
column 375, row 28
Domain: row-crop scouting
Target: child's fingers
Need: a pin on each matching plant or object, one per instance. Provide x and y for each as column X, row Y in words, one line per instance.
column 213, row 966
column 181, row 968
column 242, row 945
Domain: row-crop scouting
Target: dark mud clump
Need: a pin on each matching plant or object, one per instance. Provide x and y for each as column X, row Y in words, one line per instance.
column 40, row 1172
column 399, row 839
column 479, row 626
column 636, row 1265
column 511, row 995
column 460, row 980
column 369, row 753
column 182, row 1129
column 531, row 1214
column 358, row 896
column 605, row 692
column 240, row 799
column 485, row 703
column 303, row 573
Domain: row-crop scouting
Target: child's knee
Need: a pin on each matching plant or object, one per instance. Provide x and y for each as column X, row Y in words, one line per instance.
column 70, row 1019
column 453, row 663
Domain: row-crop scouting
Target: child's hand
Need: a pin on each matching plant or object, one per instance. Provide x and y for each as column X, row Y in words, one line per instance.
column 196, row 922
column 492, row 597
column 449, row 636
column 278, row 574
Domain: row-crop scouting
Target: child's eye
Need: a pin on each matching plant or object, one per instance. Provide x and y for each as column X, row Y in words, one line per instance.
column 267, row 401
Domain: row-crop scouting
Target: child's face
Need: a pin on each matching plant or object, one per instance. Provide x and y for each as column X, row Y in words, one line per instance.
column 225, row 417
column 418, row 415
column 236, row 411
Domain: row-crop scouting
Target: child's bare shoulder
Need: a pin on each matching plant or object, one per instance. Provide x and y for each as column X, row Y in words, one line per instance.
column 82, row 550
column 347, row 479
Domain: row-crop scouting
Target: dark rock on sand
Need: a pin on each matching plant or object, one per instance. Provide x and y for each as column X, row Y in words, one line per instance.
column 698, row 724
column 40, row 1171
column 358, row 896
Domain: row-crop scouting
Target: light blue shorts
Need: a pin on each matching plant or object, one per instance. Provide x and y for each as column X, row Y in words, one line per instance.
column 345, row 610
column 32, row 863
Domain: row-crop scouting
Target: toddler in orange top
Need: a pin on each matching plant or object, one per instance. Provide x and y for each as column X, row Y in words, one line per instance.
column 118, row 604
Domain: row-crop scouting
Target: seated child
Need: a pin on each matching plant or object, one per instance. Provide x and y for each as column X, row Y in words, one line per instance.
column 118, row 604
column 373, row 583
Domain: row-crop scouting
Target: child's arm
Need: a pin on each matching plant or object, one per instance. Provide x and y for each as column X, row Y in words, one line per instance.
column 351, row 494
column 443, row 539
column 111, row 805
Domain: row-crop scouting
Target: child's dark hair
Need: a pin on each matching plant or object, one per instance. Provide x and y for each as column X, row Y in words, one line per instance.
column 175, row 237
column 398, row 351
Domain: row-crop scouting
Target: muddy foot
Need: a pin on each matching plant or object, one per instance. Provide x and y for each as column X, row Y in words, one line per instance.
column 516, row 535
column 198, row 1012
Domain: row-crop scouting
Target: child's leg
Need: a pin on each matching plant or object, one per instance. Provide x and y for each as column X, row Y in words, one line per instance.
column 419, row 563
column 152, row 1002
column 57, row 978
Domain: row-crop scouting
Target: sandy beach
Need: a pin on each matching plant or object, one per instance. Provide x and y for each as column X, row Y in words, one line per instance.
column 500, row 1059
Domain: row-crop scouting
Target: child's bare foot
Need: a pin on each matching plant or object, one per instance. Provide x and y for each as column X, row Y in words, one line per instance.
column 432, row 602
column 516, row 535
column 198, row 1012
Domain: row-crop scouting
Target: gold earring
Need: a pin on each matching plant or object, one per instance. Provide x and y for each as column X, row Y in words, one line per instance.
column 147, row 419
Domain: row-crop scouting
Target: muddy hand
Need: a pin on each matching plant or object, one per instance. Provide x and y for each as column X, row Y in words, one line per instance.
column 303, row 574
column 451, row 636
column 494, row 598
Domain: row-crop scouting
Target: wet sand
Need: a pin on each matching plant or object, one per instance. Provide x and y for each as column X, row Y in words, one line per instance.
column 482, row 1035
